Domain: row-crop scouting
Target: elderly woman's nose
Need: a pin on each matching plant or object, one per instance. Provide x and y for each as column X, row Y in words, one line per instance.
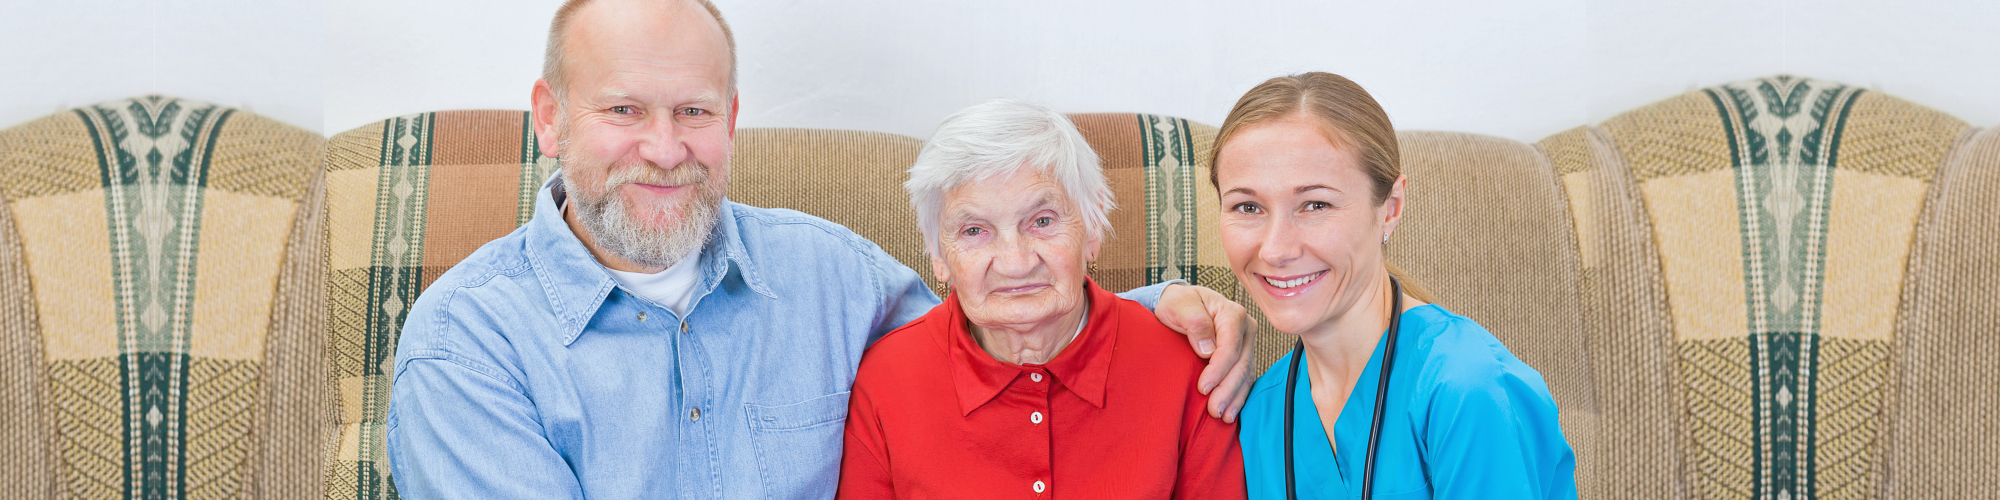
column 1015, row 254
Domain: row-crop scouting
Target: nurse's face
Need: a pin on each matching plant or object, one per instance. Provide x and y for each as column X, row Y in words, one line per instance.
column 1300, row 223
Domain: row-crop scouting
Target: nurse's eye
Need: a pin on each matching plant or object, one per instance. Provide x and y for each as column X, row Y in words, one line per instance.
column 1044, row 221
column 1246, row 208
column 623, row 110
column 1314, row 206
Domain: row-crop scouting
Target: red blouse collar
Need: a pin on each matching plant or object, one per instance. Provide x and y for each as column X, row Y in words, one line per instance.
column 1082, row 366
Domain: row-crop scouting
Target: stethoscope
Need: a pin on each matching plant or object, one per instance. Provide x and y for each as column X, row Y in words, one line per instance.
column 1381, row 399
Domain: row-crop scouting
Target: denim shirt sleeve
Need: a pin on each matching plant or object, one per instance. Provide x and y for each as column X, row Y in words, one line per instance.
column 458, row 430
column 1149, row 295
column 905, row 297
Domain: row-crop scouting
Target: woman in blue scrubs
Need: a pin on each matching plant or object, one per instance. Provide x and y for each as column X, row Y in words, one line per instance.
column 1311, row 191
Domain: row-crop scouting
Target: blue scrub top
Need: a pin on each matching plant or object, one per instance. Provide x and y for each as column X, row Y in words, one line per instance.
column 1465, row 419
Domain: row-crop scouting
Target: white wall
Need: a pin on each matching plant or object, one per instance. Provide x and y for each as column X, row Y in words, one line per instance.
column 1521, row 70
column 266, row 56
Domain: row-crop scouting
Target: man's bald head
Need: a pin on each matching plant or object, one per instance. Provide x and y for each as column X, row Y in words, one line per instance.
column 553, row 59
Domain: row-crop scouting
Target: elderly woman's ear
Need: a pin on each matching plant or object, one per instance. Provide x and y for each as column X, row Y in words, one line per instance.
column 939, row 269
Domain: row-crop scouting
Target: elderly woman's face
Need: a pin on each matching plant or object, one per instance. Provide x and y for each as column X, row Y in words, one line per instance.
column 1299, row 222
column 1014, row 249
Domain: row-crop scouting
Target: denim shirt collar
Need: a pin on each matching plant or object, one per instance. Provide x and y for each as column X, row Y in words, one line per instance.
column 576, row 284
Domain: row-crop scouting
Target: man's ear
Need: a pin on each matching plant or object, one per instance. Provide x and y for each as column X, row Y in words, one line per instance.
column 544, row 102
column 734, row 102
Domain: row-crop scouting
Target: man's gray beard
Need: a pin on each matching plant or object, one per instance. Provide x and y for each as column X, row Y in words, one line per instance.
column 619, row 233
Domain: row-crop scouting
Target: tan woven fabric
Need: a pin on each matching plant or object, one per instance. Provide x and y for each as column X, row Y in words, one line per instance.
column 1488, row 231
column 296, row 403
column 25, row 471
column 1626, row 328
column 849, row 177
column 1944, row 438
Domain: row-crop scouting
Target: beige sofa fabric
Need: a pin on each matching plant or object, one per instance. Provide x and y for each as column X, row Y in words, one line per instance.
column 1944, row 435
column 789, row 168
column 1627, row 333
column 24, row 459
column 1488, row 232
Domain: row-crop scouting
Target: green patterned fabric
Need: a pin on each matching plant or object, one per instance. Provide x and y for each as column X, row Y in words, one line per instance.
column 1783, row 212
column 407, row 198
column 1783, row 135
column 155, row 232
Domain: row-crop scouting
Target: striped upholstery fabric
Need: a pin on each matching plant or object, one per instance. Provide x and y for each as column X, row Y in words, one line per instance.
column 1743, row 247
column 406, row 199
column 159, row 330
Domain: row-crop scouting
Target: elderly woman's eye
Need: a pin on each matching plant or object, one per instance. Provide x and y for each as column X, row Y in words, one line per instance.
column 970, row 231
column 1044, row 221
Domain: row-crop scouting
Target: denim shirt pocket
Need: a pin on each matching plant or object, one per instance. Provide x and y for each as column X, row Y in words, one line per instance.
column 798, row 445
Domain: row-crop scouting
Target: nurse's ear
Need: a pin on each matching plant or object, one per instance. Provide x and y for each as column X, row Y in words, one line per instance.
column 1391, row 210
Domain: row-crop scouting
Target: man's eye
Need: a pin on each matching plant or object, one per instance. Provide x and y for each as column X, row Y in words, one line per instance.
column 1044, row 221
column 694, row 111
column 623, row 110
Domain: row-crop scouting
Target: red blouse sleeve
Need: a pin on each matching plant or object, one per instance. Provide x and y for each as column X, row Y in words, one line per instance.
column 1212, row 464
column 864, row 467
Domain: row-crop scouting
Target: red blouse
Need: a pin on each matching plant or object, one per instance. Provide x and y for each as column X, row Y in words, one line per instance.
column 1114, row 415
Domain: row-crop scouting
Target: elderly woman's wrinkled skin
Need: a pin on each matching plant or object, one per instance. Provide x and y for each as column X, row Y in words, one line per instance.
column 1014, row 249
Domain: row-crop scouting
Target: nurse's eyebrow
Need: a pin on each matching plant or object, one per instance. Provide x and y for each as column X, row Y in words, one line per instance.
column 1302, row 189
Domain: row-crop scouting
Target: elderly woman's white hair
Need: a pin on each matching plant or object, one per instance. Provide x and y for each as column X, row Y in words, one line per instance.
column 998, row 137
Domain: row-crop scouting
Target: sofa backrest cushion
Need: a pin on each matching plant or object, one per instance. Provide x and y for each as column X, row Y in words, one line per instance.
column 1783, row 212
column 167, row 331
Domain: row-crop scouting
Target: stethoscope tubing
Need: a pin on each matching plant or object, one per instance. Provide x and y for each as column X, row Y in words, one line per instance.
column 1381, row 399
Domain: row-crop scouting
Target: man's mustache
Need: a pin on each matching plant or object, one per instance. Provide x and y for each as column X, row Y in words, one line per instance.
column 688, row 173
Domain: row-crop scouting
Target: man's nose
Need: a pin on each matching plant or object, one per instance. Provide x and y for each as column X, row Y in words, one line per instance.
column 662, row 143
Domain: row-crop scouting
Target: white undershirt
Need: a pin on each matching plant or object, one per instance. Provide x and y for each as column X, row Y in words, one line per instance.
column 672, row 288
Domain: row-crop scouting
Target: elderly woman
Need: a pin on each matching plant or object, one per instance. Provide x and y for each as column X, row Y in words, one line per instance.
column 1398, row 398
column 1029, row 380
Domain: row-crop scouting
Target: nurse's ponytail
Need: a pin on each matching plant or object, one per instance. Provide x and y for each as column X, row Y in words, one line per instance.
column 1350, row 118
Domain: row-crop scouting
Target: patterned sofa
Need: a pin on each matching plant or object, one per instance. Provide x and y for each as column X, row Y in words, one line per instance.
column 1776, row 288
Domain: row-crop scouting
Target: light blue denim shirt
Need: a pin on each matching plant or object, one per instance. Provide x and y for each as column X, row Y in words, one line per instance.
column 525, row 372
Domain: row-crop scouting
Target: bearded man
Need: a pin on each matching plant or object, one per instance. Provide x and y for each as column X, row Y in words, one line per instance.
column 642, row 337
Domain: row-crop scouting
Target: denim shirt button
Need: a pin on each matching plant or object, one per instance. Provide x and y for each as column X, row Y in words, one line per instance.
column 694, row 415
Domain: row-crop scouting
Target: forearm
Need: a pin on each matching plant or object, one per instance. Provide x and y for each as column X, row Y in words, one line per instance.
column 455, row 433
column 1149, row 295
